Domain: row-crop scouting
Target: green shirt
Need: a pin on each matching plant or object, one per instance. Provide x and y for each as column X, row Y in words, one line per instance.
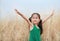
column 35, row 34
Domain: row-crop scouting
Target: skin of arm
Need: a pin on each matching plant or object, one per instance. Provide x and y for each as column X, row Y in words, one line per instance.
column 23, row 17
column 48, row 17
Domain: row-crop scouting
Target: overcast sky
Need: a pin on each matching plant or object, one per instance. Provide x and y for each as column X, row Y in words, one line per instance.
column 27, row 7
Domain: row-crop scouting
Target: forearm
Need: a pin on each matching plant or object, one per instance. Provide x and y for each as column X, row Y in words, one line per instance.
column 45, row 19
column 22, row 16
column 48, row 17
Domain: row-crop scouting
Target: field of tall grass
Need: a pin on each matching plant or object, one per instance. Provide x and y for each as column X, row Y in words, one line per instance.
column 18, row 30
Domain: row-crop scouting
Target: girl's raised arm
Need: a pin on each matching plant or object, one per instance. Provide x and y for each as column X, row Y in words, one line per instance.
column 48, row 17
column 23, row 17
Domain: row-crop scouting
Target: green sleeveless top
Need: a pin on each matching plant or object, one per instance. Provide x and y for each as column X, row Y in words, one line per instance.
column 35, row 34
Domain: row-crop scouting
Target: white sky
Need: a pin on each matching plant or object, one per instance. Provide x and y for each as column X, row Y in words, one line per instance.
column 27, row 7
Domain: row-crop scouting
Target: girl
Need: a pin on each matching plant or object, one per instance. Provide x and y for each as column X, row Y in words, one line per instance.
column 35, row 25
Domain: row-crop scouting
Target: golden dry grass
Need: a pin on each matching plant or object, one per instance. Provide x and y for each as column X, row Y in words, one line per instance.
column 17, row 30
column 52, row 29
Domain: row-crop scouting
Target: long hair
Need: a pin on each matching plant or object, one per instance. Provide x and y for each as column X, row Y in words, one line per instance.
column 39, row 24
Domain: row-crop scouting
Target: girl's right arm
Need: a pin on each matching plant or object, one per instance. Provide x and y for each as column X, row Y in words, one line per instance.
column 23, row 17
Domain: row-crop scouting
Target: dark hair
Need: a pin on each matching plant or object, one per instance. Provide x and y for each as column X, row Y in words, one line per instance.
column 40, row 23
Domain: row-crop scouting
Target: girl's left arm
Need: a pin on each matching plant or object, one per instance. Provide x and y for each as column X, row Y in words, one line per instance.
column 48, row 17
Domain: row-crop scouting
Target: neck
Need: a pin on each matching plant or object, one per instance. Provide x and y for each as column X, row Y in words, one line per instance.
column 36, row 24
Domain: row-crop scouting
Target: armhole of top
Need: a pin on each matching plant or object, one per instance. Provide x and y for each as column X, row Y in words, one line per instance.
column 31, row 28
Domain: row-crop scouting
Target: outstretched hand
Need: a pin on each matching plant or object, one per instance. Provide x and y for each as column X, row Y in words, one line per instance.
column 52, row 13
column 16, row 10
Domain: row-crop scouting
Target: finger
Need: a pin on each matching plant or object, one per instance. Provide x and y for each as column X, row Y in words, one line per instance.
column 52, row 11
column 15, row 9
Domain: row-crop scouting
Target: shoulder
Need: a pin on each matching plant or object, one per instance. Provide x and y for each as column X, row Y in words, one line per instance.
column 31, row 26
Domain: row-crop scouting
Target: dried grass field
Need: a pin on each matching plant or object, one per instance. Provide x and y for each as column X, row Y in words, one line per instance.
column 18, row 30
